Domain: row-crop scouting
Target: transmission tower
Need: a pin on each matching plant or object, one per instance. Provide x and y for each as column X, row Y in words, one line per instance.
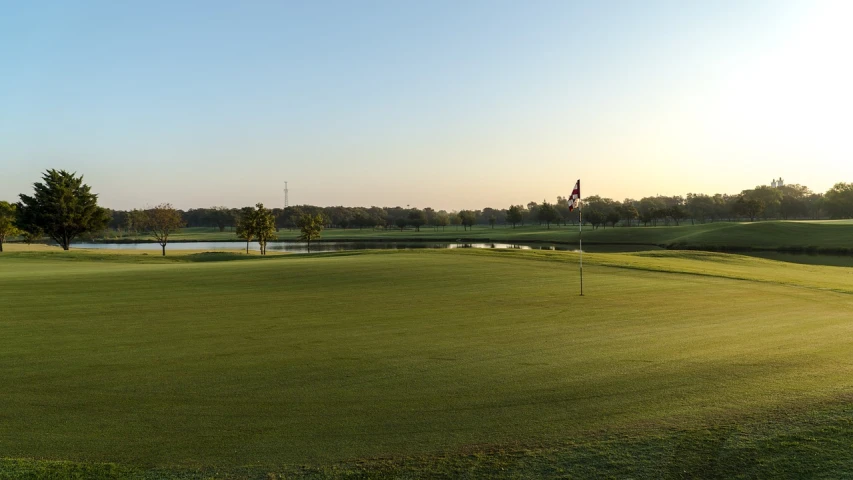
column 286, row 204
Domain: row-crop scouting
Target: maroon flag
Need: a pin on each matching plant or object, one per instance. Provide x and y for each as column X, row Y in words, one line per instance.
column 575, row 198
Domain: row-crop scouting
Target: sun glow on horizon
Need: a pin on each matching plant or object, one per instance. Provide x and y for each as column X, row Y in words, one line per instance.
column 794, row 100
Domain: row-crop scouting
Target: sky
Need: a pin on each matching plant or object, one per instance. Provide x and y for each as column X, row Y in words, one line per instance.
column 447, row 104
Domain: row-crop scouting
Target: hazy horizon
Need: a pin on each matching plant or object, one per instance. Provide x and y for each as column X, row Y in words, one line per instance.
column 446, row 105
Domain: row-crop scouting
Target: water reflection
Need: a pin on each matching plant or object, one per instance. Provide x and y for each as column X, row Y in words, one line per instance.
column 300, row 247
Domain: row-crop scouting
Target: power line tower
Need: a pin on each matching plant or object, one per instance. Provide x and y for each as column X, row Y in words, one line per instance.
column 286, row 204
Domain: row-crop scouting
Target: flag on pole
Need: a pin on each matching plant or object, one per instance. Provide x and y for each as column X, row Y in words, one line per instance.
column 575, row 198
column 574, row 202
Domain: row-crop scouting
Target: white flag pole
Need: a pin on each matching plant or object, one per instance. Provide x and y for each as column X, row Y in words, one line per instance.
column 580, row 239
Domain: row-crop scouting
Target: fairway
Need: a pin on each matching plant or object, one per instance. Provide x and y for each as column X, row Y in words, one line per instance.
column 313, row 360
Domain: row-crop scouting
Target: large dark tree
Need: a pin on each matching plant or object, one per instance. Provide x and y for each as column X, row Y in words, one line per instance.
column 63, row 207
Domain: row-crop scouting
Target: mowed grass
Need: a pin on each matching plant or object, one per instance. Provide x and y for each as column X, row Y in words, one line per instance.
column 431, row 355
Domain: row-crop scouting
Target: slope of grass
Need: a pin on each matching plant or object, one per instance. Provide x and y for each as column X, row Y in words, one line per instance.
column 441, row 362
column 812, row 444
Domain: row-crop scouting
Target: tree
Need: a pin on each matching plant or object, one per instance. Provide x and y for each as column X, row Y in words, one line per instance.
column 401, row 223
column 417, row 218
column 7, row 222
column 514, row 215
column 378, row 216
column 815, row 204
column 676, row 213
column 30, row 237
column 566, row 214
column 748, row 207
column 246, row 226
column 531, row 212
column 838, row 201
column 596, row 218
column 650, row 209
column 456, row 220
column 360, row 218
column 263, row 226
column 310, row 227
column 547, row 213
column 467, row 219
column 628, row 211
column 63, row 207
column 134, row 221
column 794, row 201
column 722, row 206
column 699, row 207
column 221, row 217
column 612, row 218
column 600, row 208
column 769, row 197
column 162, row 221
column 492, row 220
column 441, row 219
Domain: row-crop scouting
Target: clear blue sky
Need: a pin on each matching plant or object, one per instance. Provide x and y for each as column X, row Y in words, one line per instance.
column 456, row 104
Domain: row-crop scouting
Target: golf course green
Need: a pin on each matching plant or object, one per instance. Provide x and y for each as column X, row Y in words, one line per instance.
column 433, row 363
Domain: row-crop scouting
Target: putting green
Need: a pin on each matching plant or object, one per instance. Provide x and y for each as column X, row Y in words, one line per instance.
column 328, row 358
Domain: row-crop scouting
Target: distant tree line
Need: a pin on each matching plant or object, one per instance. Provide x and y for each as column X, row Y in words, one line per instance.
column 761, row 203
column 62, row 208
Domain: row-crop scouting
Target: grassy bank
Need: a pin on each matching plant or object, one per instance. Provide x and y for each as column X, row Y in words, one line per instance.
column 792, row 445
column 423, row 363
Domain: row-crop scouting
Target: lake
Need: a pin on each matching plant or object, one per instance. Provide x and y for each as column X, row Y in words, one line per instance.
column 300, row 247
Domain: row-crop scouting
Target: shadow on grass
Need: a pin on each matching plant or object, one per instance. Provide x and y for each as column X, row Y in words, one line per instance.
column 805, row 444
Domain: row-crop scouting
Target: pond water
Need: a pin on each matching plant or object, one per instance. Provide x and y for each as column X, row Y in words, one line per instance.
column 300, row 247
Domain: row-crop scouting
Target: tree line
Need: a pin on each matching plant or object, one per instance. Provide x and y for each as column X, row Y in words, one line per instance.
column 761, row 203
column 63, row 208
column 41, row 214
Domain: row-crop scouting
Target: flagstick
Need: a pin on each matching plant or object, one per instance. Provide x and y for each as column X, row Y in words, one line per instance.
column 580, row 242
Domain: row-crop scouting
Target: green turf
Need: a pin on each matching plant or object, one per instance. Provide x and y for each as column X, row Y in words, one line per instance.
column 440, row 361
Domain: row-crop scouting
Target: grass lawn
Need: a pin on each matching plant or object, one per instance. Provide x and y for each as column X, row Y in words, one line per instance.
column 423, row 363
